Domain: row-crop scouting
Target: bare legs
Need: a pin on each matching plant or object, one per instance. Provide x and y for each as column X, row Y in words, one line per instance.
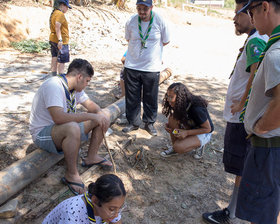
column 122, row 87
column 67, row 138
column 57, row 67
column 95, row 142
column 182, row 145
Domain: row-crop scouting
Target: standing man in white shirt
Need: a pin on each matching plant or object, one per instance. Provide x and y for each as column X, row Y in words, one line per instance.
column 146, row 33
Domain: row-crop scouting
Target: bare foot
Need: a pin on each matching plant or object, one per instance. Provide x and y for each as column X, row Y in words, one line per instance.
column 74, row 183
column 96, row 159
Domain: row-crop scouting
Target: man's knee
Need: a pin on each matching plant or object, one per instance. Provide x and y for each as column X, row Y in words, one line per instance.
column 71, row 129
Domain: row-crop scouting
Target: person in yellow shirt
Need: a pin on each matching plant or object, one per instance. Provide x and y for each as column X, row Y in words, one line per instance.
column 59, row 37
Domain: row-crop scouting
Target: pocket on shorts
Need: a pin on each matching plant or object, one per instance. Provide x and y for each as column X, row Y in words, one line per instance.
column 63, row 55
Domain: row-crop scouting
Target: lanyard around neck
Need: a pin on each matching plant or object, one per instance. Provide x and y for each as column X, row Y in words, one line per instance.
column 147, row 33
column 70, row 95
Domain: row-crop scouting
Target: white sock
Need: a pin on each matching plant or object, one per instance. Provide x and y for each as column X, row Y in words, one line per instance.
column 233, row 201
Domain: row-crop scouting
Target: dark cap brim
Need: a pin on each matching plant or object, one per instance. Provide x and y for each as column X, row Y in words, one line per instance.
column 244, row 9
column 143, row 3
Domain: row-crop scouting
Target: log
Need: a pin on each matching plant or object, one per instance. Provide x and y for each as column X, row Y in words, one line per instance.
column 21, row 173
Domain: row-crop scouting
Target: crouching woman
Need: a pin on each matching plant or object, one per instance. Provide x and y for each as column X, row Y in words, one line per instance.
column 189, row 123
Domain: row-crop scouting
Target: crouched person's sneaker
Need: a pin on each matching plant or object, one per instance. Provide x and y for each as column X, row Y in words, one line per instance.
column 218, row 217
column 169, row 152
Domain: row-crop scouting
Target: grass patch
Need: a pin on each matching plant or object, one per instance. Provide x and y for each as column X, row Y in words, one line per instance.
column 30, row 46
column 230, row 4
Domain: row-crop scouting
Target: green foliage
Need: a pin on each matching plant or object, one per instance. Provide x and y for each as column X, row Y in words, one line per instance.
column 30, row 46
column 177, row 3
column 230, row 4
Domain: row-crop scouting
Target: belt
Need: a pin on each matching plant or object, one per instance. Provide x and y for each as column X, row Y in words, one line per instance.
column 273, row 142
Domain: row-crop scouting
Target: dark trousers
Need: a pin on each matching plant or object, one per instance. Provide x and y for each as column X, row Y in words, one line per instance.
column 135, row 81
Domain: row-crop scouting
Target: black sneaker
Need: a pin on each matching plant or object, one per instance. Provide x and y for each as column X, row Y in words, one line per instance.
column 217, row 217
column 151, row 129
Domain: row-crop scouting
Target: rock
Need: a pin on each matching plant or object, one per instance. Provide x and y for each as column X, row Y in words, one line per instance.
column 183, row 205
column 109, row 132
column 9, row 209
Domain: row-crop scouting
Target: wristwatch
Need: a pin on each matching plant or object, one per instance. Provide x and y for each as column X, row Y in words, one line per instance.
column 59, row 40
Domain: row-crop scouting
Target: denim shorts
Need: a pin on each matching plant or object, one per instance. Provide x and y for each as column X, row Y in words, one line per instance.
column 235, row 145
column 62, row 54
column 204, row 138
column 44, row 139
column 259, row 192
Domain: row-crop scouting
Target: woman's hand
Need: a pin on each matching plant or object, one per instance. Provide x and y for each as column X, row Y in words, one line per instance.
column 167, row 128
column 180, row 133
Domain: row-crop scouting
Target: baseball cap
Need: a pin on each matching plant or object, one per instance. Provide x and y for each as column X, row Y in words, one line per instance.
column 246, row 7
column 66, row 2
column 145, row 2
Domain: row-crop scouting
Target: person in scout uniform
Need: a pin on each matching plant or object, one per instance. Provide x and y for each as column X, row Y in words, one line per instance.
column 235, row 142
column 146, row 33
column 57, row 128
column 102, row 204
column 189, row 123
column 59, row 36
column 259, row 192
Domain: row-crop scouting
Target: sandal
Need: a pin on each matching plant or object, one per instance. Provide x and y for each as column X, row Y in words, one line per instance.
column 169, row 152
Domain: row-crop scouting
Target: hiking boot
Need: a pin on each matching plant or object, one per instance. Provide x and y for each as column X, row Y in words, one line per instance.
column 218, row 217
column 151, row 129
column 129, row 128
column 199, row 153
column 169, row 152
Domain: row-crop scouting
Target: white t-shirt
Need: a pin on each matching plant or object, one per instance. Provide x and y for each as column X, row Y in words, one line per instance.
column 266, row 78
column 148, row 59
column 73, row 211
column 51, row 93
column 239, row 81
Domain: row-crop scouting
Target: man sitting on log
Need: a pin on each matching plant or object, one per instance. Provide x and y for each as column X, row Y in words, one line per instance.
column 57, row 128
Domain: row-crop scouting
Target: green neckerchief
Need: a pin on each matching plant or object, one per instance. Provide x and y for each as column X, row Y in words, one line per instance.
column 70, row 95
column 275, row 36
column 147, row 33
column 90, row 212
column 241, row 50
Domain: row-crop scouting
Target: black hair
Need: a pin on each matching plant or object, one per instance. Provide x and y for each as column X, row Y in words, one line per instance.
column 82, row 66
column 276, row 5
column 106, row 188
column 244, row 2
column 184, row 99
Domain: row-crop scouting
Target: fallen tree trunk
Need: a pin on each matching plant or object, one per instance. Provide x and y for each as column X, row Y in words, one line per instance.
column 23, row 172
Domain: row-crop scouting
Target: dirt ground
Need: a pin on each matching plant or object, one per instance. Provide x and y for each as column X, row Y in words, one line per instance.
column 201, row 54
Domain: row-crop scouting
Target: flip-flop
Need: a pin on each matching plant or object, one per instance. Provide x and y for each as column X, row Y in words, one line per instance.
column 103, row 166
column 68, row 183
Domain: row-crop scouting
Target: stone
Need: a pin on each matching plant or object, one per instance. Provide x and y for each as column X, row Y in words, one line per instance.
column 9, row 209
column 183, row 205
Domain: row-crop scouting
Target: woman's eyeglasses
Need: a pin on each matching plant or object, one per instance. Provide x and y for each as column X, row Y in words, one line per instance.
column 249, row 10
column 114, row 212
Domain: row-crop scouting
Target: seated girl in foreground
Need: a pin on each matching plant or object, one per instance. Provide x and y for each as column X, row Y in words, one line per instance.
column 103, row 203
column 189, row 123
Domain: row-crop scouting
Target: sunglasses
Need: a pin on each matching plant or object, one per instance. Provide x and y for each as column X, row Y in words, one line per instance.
column 249, row 10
